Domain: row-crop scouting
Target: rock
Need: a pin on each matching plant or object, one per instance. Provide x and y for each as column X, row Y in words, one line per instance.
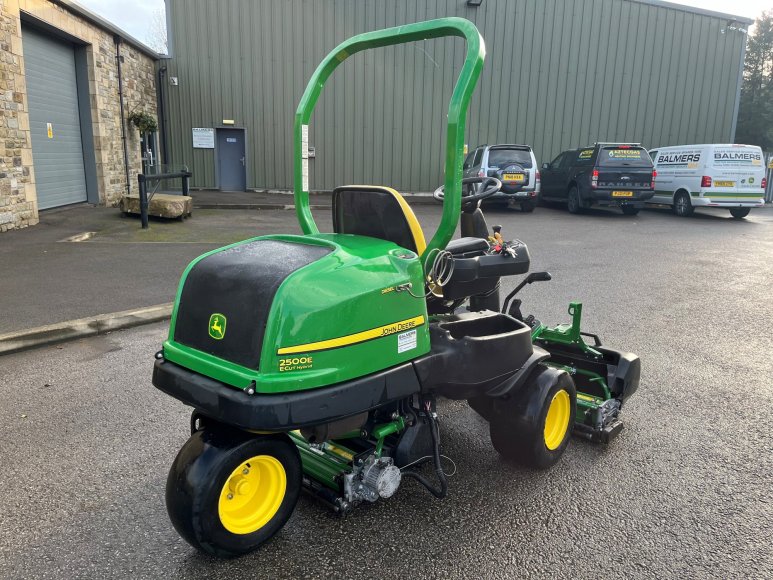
column 161, row 205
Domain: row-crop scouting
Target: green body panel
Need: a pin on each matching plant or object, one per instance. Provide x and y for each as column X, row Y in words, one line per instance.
column 457, row 113
column 339, row 297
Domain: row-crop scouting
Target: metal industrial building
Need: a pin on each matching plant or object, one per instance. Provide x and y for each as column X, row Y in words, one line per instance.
column 559, row 74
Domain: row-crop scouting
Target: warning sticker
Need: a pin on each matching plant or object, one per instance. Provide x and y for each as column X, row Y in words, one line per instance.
column 406, row 341
column 305, row 157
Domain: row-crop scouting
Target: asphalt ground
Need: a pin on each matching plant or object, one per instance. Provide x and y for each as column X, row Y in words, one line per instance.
column 684, row 492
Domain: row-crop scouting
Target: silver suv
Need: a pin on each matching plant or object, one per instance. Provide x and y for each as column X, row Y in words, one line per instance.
column 514, row 165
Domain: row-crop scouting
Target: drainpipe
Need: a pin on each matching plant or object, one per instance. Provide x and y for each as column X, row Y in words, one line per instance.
column 118, row 59
column 161, row 112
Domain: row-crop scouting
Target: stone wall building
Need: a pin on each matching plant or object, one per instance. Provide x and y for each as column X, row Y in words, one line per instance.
column 61, row 134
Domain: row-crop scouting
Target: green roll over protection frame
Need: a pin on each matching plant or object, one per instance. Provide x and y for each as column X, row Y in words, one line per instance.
column 457, row 112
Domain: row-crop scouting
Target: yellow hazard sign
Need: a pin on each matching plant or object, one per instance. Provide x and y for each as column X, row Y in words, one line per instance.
column 50, row 130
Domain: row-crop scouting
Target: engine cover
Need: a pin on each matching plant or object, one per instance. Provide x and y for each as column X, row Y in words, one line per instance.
column 287, row 313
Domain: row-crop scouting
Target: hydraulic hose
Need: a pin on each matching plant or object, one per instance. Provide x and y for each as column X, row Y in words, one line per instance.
column 443, row 491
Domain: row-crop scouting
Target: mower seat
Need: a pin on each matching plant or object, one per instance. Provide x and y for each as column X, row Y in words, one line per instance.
column 377, row 212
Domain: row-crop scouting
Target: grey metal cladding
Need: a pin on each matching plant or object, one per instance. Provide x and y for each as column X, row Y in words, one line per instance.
column 52, row 97
column 559, row 74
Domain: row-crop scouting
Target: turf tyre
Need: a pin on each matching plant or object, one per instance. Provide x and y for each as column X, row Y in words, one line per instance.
column 517, row 426
column 198, row 476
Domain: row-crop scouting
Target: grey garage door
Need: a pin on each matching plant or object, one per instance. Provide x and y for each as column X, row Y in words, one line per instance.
column 57, row 149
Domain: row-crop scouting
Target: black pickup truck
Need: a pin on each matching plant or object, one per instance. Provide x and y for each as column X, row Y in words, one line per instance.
column 606, row 174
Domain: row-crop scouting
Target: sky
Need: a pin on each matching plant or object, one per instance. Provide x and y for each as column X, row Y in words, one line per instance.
column 134, row 16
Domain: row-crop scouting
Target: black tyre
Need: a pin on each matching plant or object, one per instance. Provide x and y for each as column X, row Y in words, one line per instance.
column 629, row 210
column 682, row 205
column 739, row 212
column 528, row 206
column 573, row 203
column 534, row 427
column 228, row 491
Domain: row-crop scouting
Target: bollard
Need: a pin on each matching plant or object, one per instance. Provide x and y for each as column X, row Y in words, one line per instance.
column 143, row 201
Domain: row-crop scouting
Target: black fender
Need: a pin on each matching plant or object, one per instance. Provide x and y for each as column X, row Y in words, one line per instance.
column 523, row 402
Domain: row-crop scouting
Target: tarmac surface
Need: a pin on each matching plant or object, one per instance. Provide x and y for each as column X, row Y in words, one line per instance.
column 86, row 441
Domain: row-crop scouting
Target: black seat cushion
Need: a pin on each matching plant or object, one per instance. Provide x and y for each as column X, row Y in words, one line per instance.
column 374, row 212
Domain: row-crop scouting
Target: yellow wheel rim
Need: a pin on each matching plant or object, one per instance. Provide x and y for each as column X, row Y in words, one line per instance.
column 557, row 419
column 252, row 494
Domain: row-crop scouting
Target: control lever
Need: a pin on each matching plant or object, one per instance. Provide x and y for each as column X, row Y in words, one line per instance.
column 533, row 277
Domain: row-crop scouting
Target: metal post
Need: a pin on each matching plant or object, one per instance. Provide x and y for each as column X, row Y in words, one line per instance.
column 143, row 201
column 186, row 183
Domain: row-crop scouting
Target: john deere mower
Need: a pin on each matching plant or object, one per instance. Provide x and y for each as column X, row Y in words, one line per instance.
column 315, row 361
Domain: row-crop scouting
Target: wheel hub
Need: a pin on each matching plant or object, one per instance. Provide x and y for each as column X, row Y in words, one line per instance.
column 252, row 494
column 557, row 420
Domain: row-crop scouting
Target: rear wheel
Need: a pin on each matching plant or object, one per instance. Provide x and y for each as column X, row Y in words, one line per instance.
column 629, row 210
column 534, row 428
column 228, row 491
column 573, row 203
column 527, row 206
column 739, row 212
column 682, row 205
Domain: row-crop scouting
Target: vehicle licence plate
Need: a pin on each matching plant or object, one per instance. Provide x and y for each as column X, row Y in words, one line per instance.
column 724, row 184
column 513, row 176
column 622, row 194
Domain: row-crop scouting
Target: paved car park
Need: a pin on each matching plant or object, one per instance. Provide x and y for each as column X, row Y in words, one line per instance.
column 86, row 441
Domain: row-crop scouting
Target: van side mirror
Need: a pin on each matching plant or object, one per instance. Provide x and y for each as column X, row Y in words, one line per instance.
column 546, row 166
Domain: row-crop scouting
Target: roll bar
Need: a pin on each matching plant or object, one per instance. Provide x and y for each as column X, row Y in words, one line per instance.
column 457, row 112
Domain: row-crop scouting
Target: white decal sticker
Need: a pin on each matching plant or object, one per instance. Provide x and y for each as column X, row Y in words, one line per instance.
column 305, row 157
column 406, row 341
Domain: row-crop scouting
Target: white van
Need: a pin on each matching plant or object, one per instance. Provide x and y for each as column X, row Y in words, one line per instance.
column 715, row 176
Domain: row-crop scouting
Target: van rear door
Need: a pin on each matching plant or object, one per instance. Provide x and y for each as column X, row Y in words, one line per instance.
column 624, row 167
column 736, row 170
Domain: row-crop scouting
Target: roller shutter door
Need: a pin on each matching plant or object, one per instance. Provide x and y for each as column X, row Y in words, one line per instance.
column 57, row 149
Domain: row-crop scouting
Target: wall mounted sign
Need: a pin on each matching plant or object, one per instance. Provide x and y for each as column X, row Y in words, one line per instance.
column 203, row 138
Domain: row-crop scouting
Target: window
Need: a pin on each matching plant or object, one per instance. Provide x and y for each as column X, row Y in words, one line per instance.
column 468, row 161
column 653, row 155
column 585, row 157
column 623, row 156
column 502, row 157
column 568, row 159
column 557, row 161
column 478, row 155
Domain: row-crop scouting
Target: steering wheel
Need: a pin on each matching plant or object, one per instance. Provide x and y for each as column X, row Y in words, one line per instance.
column 490, row 185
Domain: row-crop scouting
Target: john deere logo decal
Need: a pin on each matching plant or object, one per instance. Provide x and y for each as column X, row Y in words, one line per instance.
column 217, row 326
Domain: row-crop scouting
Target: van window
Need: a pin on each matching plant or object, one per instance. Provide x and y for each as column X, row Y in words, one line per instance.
column 468, row 161
column 654, row 156
column 502, row 157
column 737, row 157
column 621, row 156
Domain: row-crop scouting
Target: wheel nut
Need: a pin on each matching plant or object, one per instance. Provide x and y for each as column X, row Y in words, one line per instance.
column 230, row 496
column 245, row 471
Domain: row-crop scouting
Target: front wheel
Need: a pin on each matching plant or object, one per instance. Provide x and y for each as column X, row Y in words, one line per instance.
column 682, row 205
column 739, row 212
column 630, row 210
column 573, row 203
column 228, row 491
column 534, row 427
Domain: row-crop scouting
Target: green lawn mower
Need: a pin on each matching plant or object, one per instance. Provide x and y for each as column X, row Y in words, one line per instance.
column 315, row 361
